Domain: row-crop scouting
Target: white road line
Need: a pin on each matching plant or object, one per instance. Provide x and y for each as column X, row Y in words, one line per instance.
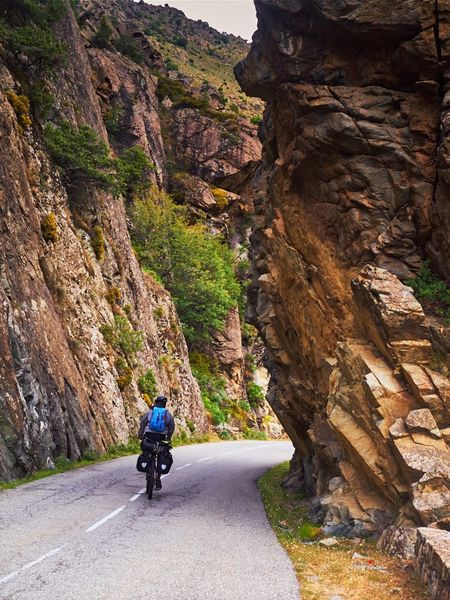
column 140, row 492
column 206, row 458
column 32, row 564
column 107, row 518
column 183, row 467
column 136, row 496
column 41, row 558
column 8, row 577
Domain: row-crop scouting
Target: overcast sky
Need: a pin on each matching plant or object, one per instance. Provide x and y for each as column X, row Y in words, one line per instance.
column 231, row 16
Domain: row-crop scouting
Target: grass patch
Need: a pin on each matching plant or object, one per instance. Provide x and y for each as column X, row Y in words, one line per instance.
column 185, row 439
column 324, row 572
column 432, row 292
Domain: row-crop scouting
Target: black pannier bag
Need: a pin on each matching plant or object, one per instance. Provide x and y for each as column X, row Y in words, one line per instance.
column 164, row 461
column 142, row 463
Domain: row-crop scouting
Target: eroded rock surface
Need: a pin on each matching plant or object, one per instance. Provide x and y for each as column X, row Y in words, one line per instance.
column 353, row 202
column 64, row 388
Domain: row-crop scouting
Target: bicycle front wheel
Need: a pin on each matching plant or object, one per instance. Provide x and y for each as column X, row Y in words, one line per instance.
column 151, row 477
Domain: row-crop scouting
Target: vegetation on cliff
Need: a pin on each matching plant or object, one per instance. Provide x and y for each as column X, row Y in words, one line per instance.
column 195, row 266
column 432, row 292
column 83, row 156
column 26, row 31
column 52, row 64
column 194, row 50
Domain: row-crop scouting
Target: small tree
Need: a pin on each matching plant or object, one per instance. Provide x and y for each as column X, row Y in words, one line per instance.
column 133, row 170
column 81, row 154
column 103, row 34
column 196, row 266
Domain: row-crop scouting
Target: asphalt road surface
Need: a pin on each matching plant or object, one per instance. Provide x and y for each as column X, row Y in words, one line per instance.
column 92, row 534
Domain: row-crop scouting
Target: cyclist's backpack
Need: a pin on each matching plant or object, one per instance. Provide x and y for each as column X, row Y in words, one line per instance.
column 164, row 461
column 158, row 419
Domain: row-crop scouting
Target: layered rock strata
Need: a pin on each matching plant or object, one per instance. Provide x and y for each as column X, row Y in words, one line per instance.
column 354, row 168
column 65, row 389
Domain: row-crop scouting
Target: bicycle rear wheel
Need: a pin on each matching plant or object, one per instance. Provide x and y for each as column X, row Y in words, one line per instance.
column 151, row 477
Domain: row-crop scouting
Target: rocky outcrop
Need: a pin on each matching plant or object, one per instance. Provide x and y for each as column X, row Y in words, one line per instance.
column 127, row 93
column 66, row 385
column 432, row 559
column 429, row 550
column 211, row 149
column 348, row 212
column 227, row 349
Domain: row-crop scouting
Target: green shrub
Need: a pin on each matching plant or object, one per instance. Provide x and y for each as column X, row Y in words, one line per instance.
column 114, row 296
column 158, row 313
column 196, row 267
column 49, row 228
column 81, row 154
column 245, row 406
column 35, row 41
column 125, row 374
column 191, row 425
column 181, row 42
column 113, row 120
column 255, row 394
column 171, row 88
column 123, row 381
column 42, row 100
column 212, row 386
column 220, row 196
column 103, row 34
column 187, row 101
column 308, row 531
column 128, row 46
column 21, row 107
column 91, row 455
column 256, row 119
column 171, row 65
column 98, row 243
column 133, row 171
column 123, row 338
column 254, row 434
column 250, row 362
column 217, row 414
column 432, row 291
column 249, row 333
column 147, row 384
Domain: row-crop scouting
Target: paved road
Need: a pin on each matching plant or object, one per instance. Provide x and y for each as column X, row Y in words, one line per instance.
column 89, row 534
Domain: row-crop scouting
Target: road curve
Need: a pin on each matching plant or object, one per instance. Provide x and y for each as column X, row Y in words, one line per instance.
column 90, row 534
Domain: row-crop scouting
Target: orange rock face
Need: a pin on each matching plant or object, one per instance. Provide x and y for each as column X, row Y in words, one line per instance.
column 350, row 201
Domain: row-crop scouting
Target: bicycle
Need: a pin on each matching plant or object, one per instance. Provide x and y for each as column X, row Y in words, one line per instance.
column 154, row 447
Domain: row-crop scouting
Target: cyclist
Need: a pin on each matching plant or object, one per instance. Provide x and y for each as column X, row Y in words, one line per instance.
column 164, row 432
column 144, row 427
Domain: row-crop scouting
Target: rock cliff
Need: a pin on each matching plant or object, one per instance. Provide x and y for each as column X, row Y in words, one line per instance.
column 72, row 292
column 350, row 200
column 85, row 332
